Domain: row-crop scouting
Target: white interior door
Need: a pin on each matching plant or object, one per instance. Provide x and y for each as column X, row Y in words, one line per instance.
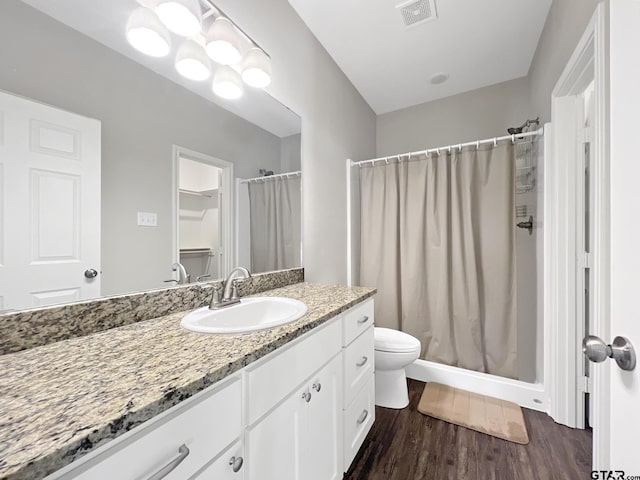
column 624, row 77
column 49, row 205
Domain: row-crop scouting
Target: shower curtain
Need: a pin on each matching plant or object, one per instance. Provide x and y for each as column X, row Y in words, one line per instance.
column 275, row 219
column 438, row 241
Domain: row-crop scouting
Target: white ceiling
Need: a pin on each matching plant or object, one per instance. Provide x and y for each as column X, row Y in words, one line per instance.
column 105, row 21
column 478, row 43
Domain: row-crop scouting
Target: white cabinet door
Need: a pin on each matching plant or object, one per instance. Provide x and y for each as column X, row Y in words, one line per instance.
column 277, row 445
column 49, row 205
column 302, row 437
column 325, row 423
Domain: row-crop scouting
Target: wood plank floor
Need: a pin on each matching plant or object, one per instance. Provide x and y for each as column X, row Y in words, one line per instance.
column 406, row 445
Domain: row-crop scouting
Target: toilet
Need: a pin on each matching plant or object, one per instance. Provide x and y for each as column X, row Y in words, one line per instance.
column 394, row 350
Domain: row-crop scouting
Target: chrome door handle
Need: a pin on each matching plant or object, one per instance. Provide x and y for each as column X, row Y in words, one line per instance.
column 364, row 319
column 621, row 350
column 236, row 463
column 362, row 362
column 363, row 416
column 91, row 273
column 306, row 396
column 183, row 452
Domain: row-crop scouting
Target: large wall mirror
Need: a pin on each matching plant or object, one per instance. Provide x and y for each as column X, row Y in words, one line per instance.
column 114, row 169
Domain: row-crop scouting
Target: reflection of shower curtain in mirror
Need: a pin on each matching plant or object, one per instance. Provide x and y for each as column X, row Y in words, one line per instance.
column 438, row 241
column 274, row 205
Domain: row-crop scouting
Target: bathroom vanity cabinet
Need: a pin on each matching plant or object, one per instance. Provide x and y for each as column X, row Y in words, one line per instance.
column 300, row 412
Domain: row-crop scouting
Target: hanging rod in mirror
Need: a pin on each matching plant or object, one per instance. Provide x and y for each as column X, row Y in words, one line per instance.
column 277, row 175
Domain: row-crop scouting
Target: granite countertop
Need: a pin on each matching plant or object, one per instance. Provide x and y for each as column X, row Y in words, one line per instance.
column 60, row 401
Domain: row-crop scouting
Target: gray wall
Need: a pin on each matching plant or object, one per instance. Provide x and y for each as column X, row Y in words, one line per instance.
column 566, row 22
column 291, row 151
column 142, row 115
column 486, row 112
column 336, row 124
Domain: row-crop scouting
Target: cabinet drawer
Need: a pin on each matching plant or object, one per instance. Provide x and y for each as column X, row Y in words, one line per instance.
column 223, row 467
column 205, row 426
column 358, row 419
column 356, row 320
column 282, row 371
column 358, row 365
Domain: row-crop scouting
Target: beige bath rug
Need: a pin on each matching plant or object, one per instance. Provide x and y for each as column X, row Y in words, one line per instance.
column 477, row 412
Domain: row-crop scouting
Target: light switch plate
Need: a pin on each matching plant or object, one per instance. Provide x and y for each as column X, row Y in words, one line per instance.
column 147, row 219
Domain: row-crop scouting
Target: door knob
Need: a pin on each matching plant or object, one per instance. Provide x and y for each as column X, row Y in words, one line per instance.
column 91, row 273
column 236, row 463
column 621, row 350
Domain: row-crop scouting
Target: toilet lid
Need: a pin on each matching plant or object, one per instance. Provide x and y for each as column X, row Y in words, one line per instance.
column 389, row 340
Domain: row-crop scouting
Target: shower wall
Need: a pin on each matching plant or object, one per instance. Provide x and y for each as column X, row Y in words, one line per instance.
column 483, row 113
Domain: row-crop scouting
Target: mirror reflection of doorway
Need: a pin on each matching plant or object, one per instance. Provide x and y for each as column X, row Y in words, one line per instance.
column 200, row 200
column 202, row 213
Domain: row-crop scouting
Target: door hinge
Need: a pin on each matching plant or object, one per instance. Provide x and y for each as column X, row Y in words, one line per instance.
column 584, row 385
column 587, row 260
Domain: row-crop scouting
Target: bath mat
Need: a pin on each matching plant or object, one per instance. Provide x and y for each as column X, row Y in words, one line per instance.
column 478, row 412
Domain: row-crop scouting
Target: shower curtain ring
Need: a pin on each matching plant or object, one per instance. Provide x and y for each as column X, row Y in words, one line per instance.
column 513, row 139
column 477, row 145
column 495, row 142
column 460, row 148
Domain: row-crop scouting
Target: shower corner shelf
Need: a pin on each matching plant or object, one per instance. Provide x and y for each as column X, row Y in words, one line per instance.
column 524, row 188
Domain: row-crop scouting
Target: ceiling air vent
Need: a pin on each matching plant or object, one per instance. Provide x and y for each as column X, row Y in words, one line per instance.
column 414, row 12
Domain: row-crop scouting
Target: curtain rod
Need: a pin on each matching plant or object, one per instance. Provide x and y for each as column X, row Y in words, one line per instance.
column 277, row 175
column 459, row 146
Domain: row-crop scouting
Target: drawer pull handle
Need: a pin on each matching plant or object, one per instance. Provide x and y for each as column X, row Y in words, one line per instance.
column 236, row 463
column 183, row 452
column 317, row 386
column 306, row 396
column 363, row 416
column 362, row 362
column 364, row 319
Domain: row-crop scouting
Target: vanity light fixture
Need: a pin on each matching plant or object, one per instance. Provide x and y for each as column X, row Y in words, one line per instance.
column 211, row 35
column 183, row 17
column 192, row 61
column 227, row 83
column 224, row 42
column 147, row 34
column 256, row 68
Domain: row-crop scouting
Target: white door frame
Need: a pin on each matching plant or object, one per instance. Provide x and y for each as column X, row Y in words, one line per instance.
column 227, row 213
column 563, row 169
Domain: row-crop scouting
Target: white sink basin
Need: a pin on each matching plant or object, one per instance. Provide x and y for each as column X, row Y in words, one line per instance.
column 251, row 314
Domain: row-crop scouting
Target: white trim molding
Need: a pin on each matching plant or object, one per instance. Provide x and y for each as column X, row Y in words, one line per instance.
column 564, row 327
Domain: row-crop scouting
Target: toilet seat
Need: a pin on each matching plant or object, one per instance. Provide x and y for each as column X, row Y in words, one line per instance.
column 394, row 341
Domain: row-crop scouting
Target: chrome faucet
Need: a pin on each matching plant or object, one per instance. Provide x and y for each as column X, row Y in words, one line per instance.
column 183, row 276
column 229, row 294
